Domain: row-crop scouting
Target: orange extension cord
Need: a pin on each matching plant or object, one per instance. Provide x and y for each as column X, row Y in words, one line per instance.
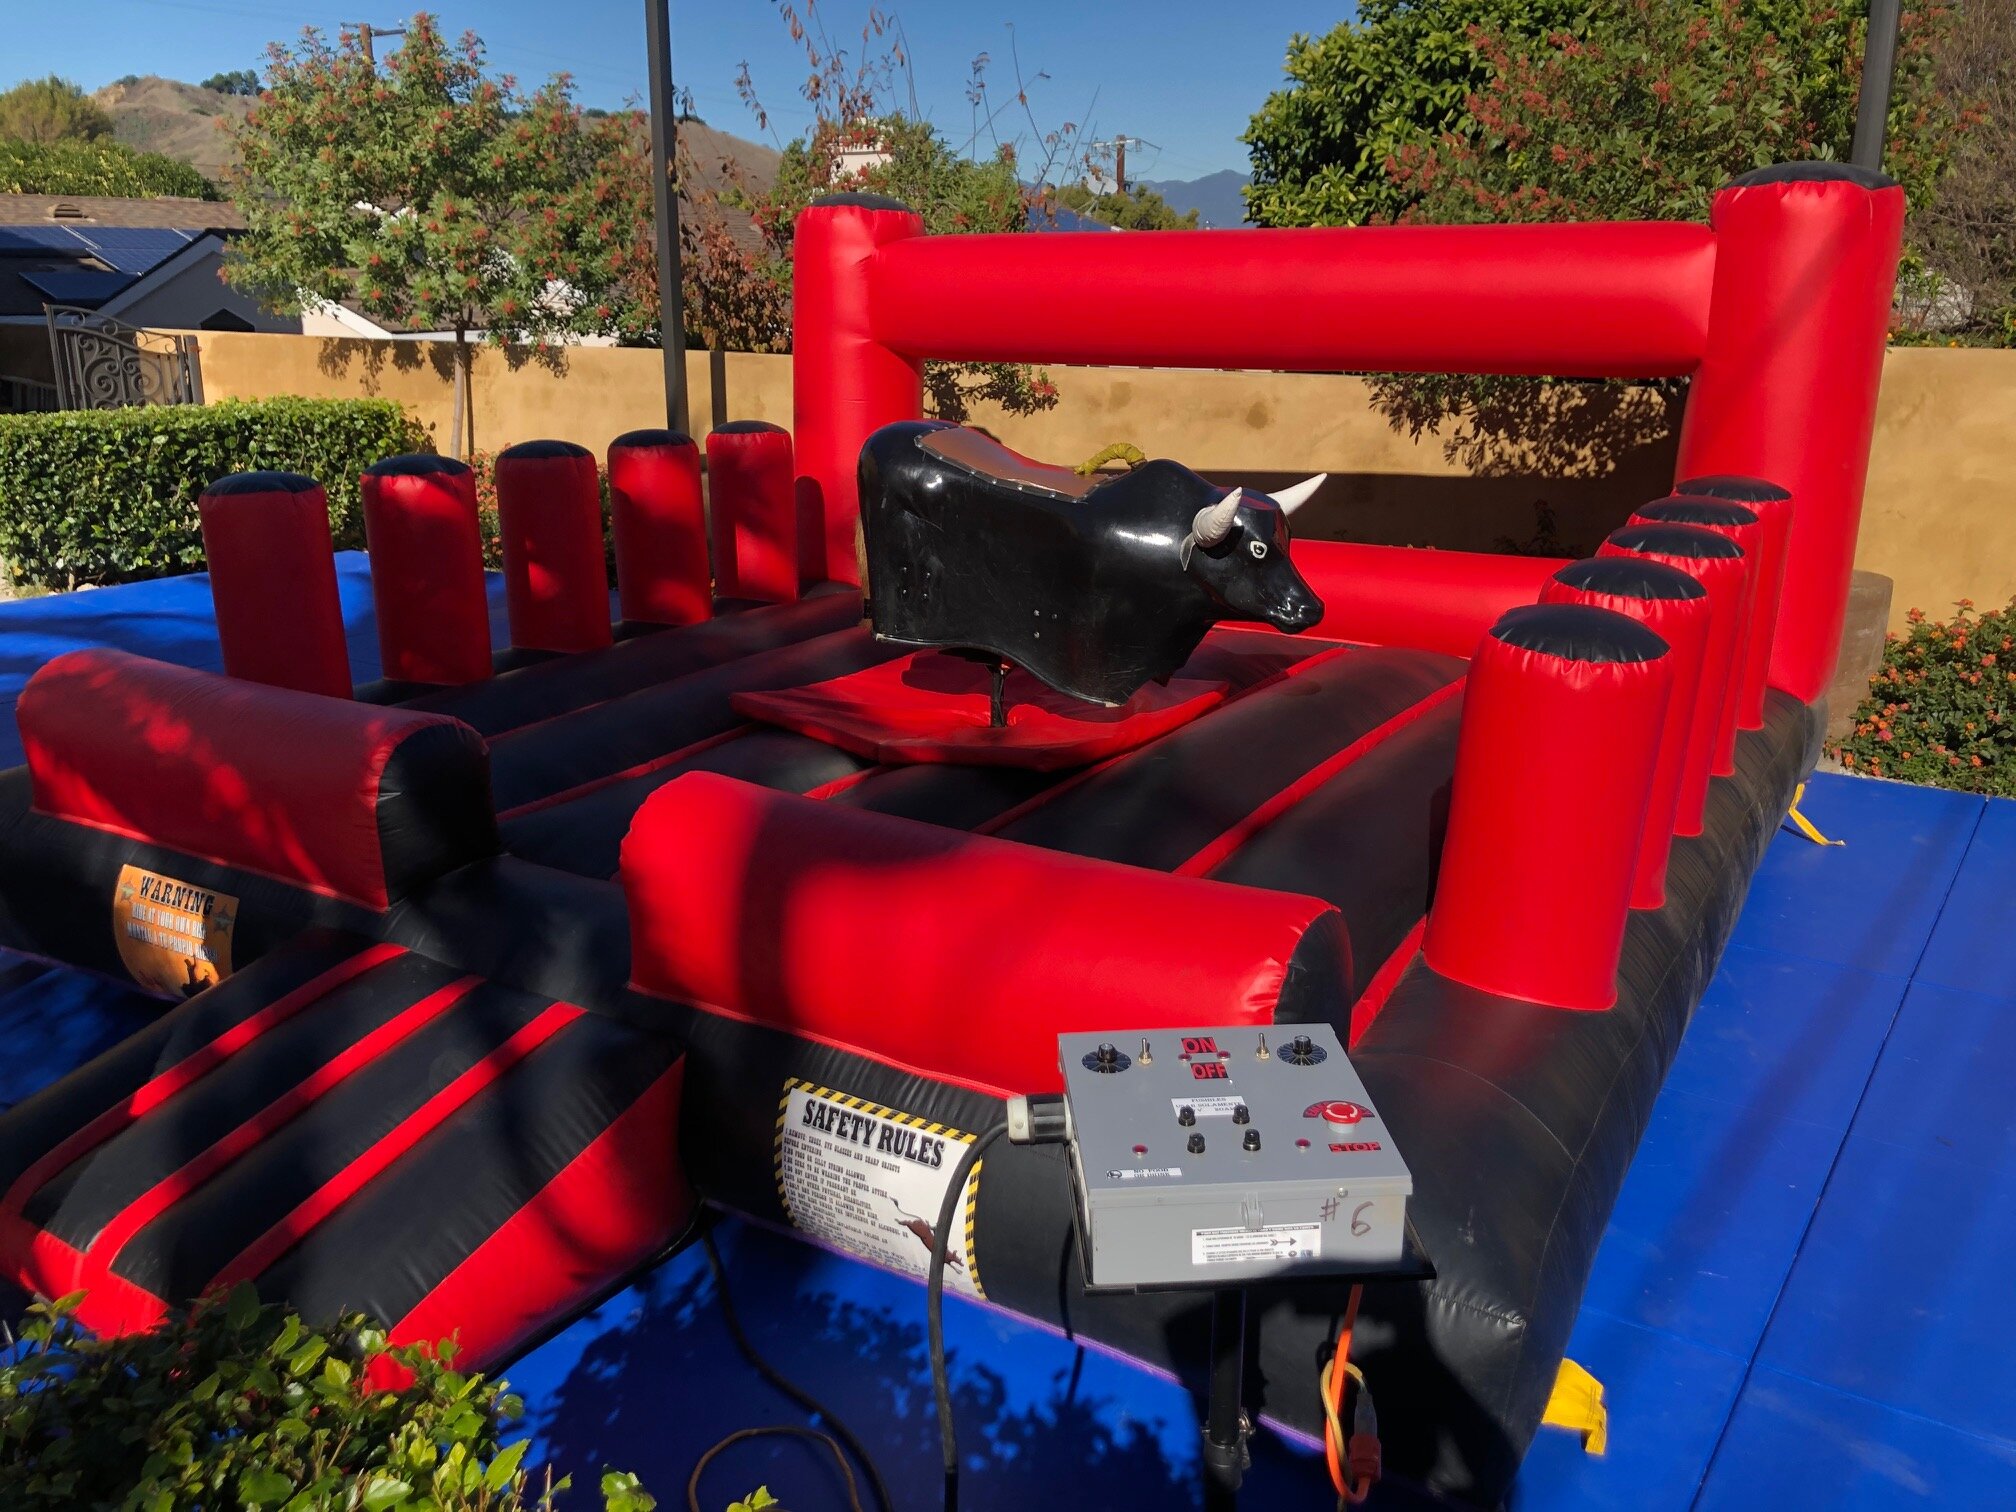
column 1362, row 1450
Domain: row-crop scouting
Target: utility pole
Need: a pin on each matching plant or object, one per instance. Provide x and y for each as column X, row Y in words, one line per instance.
column 1879, row 72
column 366, row 31
column 1120, row 164
column 665, row 200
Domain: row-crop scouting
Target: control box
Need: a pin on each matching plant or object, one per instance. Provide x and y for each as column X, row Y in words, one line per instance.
column 1208, row 1157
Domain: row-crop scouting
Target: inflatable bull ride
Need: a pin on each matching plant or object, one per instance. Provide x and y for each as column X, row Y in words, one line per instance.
column 464, row 950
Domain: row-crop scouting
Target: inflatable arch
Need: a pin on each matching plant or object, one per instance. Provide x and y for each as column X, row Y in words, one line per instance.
column 592, row 920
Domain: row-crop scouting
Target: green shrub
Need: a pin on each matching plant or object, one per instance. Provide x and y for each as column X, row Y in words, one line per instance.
column 109, row 496
column 238, row 1405
column 76, row 167
column 1939, row 711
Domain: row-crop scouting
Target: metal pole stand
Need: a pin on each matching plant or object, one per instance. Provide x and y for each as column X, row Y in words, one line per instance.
column 1226, row 1427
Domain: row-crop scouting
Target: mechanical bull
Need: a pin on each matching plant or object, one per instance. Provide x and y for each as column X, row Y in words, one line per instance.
column 1096, row 585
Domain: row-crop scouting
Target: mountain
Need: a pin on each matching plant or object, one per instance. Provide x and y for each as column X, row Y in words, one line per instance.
column 1215, row 197
column 176, row 120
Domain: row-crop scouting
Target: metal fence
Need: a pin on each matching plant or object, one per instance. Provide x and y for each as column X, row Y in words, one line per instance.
column 104, row 364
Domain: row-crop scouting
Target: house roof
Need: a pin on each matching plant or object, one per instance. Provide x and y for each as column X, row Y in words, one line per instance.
column 87, row 210
column 84, row 264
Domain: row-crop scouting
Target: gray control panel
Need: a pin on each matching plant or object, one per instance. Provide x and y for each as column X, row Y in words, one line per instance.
column 1207, row 1157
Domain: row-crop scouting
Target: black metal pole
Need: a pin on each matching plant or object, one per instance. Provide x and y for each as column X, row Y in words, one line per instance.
column 1225, row 1427
column 1879, row 73
column 665, row 198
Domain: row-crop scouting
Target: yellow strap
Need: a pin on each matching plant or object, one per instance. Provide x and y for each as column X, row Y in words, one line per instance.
column 1577, row 1403
column 1804, row 825
column 1119, row 451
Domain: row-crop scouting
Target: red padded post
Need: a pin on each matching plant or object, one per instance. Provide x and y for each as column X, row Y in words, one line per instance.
column 1742, row 525
column 1717, row 562
column 1772, row 506
column 427, row 588
column 556, row 576
column 1429, row 600
column 753, row 519
column 658, row 517
column 1805, row 264
column 949, row 954
column 273, row 581
column 1532, row 898
column 846, row 383
column 1674, row 606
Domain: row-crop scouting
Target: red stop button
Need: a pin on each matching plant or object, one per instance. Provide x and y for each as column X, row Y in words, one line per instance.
column 1344, row 1115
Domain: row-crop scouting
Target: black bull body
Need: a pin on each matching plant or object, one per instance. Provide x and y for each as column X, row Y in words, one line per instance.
column 1097, row 585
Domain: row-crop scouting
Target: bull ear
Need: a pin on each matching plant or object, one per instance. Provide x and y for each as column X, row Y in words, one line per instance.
column 1292, row 499
column 1214, row 521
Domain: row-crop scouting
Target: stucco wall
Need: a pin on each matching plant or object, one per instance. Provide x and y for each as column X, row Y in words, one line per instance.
column 1941, row 517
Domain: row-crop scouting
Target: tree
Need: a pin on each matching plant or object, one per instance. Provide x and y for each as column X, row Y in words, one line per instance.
column 109, row 168
column 240, row 81
column 431, row 196
column 51, row 110
column 1138, row 209
column 1399, row 75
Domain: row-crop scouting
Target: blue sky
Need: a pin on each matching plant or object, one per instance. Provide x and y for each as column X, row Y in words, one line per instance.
column 1185, row 74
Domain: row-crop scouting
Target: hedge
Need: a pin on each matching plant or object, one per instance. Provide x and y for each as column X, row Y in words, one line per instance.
column 109, row 496
column 1943, row 709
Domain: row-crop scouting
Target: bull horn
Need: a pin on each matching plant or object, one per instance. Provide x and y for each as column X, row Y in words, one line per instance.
column 1214, row 521
column 1291, row 499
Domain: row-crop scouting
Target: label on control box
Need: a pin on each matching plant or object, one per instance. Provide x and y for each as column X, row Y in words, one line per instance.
column 1277, row 1241
column 871, row 1180
column 1207, row 1107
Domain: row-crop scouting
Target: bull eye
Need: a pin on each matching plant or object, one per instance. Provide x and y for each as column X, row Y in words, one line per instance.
column 1258, row 548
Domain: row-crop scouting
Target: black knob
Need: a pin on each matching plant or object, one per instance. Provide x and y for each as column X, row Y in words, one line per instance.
column 1186, row 1115
column 1300, row 1044
column 1107, row 1055
column 1252, row 1139
column 1196, row 1144
column 1242, row 1114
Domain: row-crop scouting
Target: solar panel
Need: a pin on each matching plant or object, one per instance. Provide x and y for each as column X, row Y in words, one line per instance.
column 38, row 239
column 133, row 249
column 76, row 286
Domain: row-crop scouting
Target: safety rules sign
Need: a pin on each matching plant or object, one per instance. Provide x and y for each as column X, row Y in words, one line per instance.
column 871, row 1181
column 174, row 938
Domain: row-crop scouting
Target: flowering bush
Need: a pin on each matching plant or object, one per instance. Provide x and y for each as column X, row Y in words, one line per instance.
column 1939, row 711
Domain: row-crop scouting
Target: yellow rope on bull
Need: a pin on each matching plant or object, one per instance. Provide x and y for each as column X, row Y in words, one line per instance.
column 1119, row 451
column 1804, row 825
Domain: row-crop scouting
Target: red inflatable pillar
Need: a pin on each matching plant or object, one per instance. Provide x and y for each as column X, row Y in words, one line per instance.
column 1772, row 506
column 273, row 581
column 1739, row 524
column 846, row 385
column 1554, row 766
column 556, row 574
column 1805, row 265
column 1716, row 562
column 753, row 516
column 659, row 520
column 427, row 586
column 1674, row 606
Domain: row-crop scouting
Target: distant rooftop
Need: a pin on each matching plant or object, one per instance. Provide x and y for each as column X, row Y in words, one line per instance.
column 88, row 210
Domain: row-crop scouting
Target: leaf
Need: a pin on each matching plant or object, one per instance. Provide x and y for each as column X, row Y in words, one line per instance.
column 505, row 1465
column 385, row 1491
column 261, row 1487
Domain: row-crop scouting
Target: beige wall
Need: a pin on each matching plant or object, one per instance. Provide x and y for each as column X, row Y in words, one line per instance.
column 1941, row 517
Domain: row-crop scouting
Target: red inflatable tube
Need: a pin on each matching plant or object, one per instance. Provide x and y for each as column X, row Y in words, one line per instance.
column 346, row 799
column 754, row 519
column 1581, row 299
column 273, row 581
column 658, row 517
column 845, row 384
column 1532, row 897
column 1717, row 563
column 427, row 586
column 556, row 578
column 886, row 936
column 1805, row 261
column 1740, row 524
column 1674, row 606
column 1429, row 600
column 1772, row 506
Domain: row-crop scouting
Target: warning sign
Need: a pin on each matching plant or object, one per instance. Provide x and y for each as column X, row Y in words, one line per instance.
column 174, row 937
column 1277, row 1241
column 871, row 1181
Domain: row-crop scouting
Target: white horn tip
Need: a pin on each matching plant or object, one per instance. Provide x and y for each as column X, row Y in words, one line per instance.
column 1291, row 499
